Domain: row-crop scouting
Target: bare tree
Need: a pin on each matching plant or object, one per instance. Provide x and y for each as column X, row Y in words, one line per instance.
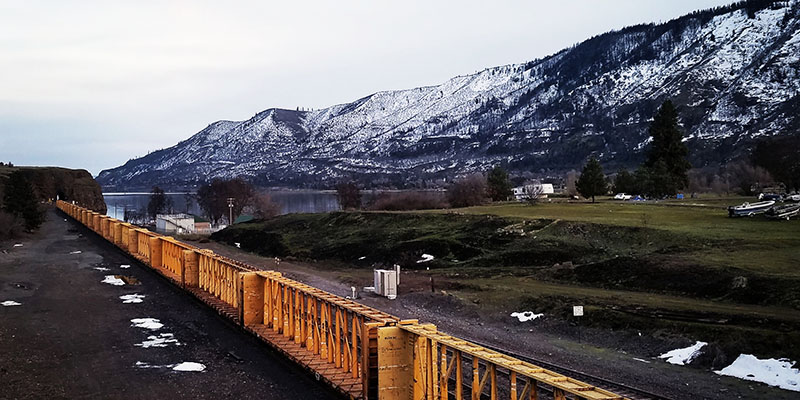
column 747, row 177
column 571, row 181
column 213, row 198
column 349, row 196
column 159, row 202
column 263, row 207
column 531, row 193
column 468, row 191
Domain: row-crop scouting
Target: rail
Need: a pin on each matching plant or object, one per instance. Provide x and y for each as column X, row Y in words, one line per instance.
column 363, row 352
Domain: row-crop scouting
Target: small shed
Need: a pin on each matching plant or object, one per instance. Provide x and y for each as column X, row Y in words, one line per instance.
column 175, row 223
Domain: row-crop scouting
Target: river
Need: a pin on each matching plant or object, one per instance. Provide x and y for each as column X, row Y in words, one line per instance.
column 291, row 201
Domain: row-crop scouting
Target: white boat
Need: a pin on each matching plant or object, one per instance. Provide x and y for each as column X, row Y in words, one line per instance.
column 786, row 211
column 750, row 209
column 793, row 197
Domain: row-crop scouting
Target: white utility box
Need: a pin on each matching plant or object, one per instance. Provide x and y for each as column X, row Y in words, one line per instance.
column 386, row 283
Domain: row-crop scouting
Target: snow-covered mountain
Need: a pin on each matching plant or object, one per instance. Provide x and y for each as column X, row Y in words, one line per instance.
column 733, row 72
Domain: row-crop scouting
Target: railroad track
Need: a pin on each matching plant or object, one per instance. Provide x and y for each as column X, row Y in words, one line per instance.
column 627, row 391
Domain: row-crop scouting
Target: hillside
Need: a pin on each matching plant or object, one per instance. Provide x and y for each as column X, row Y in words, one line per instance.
column 732, row 72
column 68, row 184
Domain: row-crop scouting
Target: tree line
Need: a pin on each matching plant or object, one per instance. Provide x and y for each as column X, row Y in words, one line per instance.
column 665, row 172
column 773, row 164
column 220, row 200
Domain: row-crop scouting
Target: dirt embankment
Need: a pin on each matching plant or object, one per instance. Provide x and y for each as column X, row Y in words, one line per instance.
column 67, row 184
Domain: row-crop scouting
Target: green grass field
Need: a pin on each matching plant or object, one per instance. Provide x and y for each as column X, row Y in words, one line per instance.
column 683, row 267
column 758, row 244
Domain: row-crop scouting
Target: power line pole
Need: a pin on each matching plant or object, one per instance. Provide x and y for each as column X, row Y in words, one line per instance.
column 230, row 210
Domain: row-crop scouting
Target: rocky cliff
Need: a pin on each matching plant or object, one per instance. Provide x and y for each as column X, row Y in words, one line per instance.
column 68, row 184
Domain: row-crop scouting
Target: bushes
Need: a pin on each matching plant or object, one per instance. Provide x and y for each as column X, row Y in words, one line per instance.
column 404, row 201
column 349, row 196
column 20, row 201
column 263, row 207
column 468, row 191
column 10, row 226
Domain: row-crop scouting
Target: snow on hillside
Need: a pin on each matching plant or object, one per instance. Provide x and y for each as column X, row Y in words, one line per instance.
column 732, row 72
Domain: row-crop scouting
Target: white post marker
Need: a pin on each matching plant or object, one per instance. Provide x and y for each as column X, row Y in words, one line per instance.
column 577, row 311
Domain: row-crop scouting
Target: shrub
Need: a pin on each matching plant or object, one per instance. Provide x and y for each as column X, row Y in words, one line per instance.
column 349, row 196
column 468, row 191
column 10, row 226
column 263, row 207
column 403, row 201
column 19, row 200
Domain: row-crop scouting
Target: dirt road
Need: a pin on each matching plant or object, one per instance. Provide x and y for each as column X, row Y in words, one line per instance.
column 73, row 336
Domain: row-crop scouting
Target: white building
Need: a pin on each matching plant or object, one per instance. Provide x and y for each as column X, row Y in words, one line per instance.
column 541, row 190
column 175, row 223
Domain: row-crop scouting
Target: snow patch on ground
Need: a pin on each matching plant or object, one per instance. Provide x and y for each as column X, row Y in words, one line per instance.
column 132, row 298
column 526, row 316
column 101, row 268
column 18, row 245
column 685, row 355
column 189, row 367
column 641, row 360
column 113, row 280
column 9, row 303
column 147, row 323
column 162, row 340
column 124, row 266
column 770, row 371
column 425, row 258
column 182, row 367
column 75, row 252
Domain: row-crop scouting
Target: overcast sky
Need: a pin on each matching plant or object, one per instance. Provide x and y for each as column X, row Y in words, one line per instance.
column 91, row 84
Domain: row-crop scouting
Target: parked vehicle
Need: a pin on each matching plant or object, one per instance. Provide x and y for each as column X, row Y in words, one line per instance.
column 770, row 196
column 793, row 198
column 750, row 209
column 622, row 196
column 786, row 211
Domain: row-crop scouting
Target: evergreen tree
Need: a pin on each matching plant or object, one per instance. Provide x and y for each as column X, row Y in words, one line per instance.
column 498, row 184
column 159, row 203
column 592, row 181
column 625, row 182
column 666, row 160
column 19, row 200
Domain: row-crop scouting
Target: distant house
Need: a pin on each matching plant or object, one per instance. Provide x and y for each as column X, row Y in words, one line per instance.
column 175, row 223
column 202, row 225
column 540, row 190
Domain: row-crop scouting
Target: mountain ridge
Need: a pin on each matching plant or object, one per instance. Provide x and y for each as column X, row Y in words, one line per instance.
column 732, row 71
